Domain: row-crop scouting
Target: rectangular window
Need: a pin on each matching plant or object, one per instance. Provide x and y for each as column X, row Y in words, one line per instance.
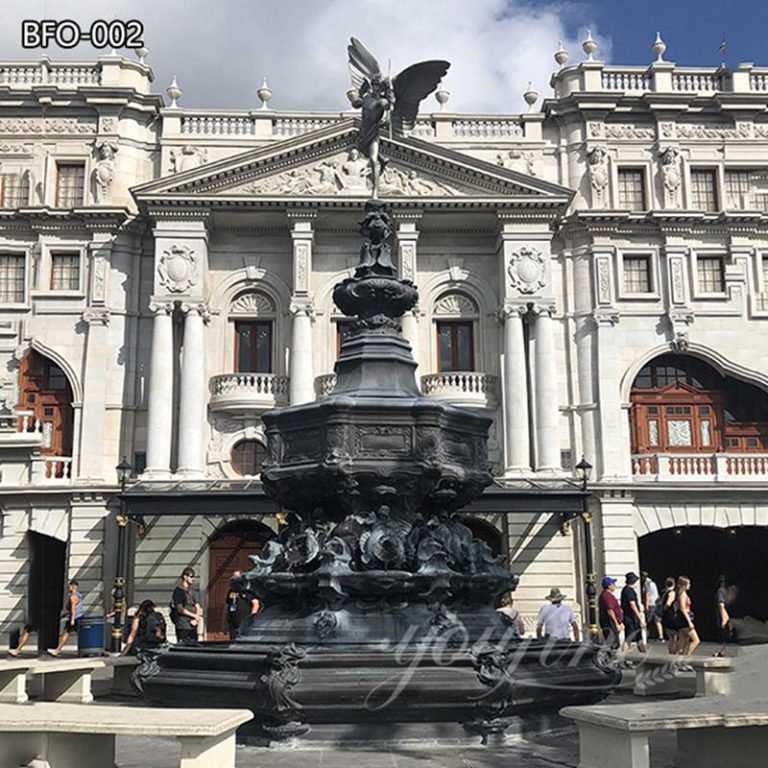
column 637, row 274
column 704, row 190
column 710, row 272
column 455, row 346
column 12, row 282
column 632, row 189
column 254, row 347
column 70, row 184
column 14, row 190
column 65, row 271
column 737, row 190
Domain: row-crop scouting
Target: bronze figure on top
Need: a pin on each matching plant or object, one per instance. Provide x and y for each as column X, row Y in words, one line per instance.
column 385, row 102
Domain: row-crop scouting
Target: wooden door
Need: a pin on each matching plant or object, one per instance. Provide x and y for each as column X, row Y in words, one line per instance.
column 226, row 555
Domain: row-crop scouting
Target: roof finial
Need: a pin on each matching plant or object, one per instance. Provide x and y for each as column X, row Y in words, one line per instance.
column 264, row 93
column 561, row 55
column 442, row 94
column 589, row 46
column 174, row 92
column 531, row 96
column 658, row 48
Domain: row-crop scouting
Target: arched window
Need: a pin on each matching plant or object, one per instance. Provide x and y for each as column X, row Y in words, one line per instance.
column 682, row 404
column 455, row 317
column 247, row 457
column 254, row 317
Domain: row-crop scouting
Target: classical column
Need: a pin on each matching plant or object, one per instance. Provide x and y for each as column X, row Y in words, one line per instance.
column 193, row 395
column 407, row 240
column 515, row 394
column 160, row 397
column 546, row 395
column 301, row 384
column 96, row 368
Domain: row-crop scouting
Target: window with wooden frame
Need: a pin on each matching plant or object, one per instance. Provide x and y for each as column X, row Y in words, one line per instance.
column 343, row 329
column 247, row 457
column 636, row 268
column 65, row 271
column 681, row 404
column 253, row 346
column 710, row 274
column 631, row 188
column 14, row 190
column 704, row 189
column 455, row 346
column 12, row 278
column 70, row 184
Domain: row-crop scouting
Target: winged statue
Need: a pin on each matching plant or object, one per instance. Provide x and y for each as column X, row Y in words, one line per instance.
column 385, row 102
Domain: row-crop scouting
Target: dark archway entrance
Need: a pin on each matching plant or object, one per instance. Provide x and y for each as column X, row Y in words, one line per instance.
column 702, row 553
column 45, row 597
column 229, row 550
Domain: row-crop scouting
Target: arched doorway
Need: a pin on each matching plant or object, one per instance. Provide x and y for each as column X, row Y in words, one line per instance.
column 703, row 553
column 46, row 392
column 229, row 550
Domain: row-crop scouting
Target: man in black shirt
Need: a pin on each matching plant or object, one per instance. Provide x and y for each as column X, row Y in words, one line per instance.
column 185, row 610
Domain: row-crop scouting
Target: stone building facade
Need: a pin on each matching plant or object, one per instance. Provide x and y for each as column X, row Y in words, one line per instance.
column 592, row 273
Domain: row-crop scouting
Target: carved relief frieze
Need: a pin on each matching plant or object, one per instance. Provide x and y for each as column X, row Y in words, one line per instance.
column 524, row 161
column 348, row 174
column 527, row 270
column 301, row 253
column 382, row 441
column 187, row 158
column 706, row 131
column 254, row 303
column 678, row 280
column 38, row 125
column 178, row 268
column 629, row 131
column 6, row 148
column 603, row 273
column 408, row 261
column 456, row 305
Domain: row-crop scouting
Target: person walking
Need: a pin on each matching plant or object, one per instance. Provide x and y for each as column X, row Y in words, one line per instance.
column 72, row 614
column 666, row 610
column 650, row 594
column 610, row 614
column 241, row 603
column 185, row 609
column 634, row 621
column 147, row 629
column 556, row 620
column 509, row 615
column 689, row 638
column 28, row 628
column 724, row 596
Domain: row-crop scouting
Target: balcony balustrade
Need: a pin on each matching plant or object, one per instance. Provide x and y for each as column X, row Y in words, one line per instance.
column 465, row 388
column 700, row 467
column 248, row 393
column 324, row 385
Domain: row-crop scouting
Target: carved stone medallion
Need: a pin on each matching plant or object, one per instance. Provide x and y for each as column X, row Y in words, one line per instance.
column 527, row 270
column 178, row 268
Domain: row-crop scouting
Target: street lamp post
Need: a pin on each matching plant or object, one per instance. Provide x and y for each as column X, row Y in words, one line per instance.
column 584, row 468
column 123, row 470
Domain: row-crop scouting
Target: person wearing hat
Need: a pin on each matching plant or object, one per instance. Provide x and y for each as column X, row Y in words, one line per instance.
column 556, row 620
column 634, row 621
column 610, row 615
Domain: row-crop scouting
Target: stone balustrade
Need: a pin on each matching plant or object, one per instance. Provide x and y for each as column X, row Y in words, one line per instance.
column 464, row 388
column 51, row 470
column 248, row 393
column 660, row 77
column 700, row 467
column 45, row 72
column 324, row 385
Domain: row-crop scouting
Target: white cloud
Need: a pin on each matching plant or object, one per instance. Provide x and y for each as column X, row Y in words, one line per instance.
column 220, row 50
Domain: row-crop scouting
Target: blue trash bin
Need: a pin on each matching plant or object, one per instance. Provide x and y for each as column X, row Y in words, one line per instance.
column 90, row 636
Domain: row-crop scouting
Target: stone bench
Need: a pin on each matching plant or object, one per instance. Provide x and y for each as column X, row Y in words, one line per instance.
column 712, row 732
column 122, row 670
column 65, row 680
column 655, row 675
column 70, row 736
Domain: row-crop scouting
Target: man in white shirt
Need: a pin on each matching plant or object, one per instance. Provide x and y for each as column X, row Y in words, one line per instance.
column 650, row 598
column 556, row 619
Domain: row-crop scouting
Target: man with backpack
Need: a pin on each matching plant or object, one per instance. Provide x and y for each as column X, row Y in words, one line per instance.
column 185, row 609
column 147, row 630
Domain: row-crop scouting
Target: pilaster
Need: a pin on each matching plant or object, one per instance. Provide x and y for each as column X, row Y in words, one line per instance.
column 517, row 456
column 546, row 392
column 407, row 269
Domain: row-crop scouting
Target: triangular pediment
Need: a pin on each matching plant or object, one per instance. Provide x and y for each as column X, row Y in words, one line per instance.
column 324, row 165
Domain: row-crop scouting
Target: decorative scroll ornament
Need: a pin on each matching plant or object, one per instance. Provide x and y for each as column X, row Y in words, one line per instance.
column 188, row 157
column 527, row 270
column 178, row 268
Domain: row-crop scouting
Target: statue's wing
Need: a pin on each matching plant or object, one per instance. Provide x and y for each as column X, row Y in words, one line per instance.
column 411, row 86
column 362, row 63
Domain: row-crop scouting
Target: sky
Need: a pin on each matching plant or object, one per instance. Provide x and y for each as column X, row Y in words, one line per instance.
column 220, row 49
